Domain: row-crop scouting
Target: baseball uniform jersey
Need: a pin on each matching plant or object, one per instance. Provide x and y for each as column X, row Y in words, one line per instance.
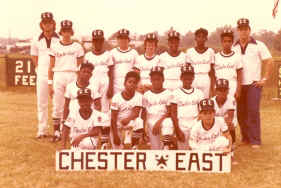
column 123, row 62
column 202, row 66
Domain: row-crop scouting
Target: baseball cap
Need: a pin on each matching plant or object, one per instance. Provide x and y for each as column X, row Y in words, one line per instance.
column 98, row 34
column 46, row 16
column 157, row 70
column 84, row 93
column 123, row 33
column 227, row 32
column 206, row 104
column 201, row 30
column 222, row 84
column 187, row 68
column 87, row 65
column 151, row 37
column 173, row 34
column 243, row 22
column 66, row 25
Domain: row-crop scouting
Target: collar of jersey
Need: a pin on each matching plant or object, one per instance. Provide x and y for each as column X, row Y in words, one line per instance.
column 227, row 55
column 129, row 49
column 251, row 41
column 149, row 58
column 66, row 44
column 187, row 91
column 43, row 36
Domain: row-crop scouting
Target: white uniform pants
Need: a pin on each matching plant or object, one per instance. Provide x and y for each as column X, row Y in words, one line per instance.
column 42, row 103
column 167, row 128
column 60, row 81
column 185, row 126
column 202, row 82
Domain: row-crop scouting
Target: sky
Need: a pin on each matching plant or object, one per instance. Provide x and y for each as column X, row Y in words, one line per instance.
column 20, row 18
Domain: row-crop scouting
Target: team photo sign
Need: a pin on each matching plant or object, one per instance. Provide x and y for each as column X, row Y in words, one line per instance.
column 20, row 72
column 143, row 160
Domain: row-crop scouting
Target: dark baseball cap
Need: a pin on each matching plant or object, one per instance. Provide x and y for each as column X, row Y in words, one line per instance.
column 173, row 34
column 84, row 93
column 46, row 16
column 187, row 68
column 157, row 70
column 97, row 34
column 206, row 105
column 123, row 33
column 151, row 37
column 243, row 22
column 222, row 84
column 66, row 25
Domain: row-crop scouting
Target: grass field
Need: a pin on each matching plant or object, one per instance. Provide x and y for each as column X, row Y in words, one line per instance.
column 27, row 162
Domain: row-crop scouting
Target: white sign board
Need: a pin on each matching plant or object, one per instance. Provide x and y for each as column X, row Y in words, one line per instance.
column 143, row 160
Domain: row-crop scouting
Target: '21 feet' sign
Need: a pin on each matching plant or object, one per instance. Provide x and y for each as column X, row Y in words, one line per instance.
column 20, row 72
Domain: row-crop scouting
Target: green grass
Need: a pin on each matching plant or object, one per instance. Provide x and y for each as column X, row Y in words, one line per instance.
column 27, row 162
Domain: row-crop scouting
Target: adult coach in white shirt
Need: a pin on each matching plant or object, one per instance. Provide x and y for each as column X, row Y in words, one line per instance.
column 254, row 54
column 40, row 57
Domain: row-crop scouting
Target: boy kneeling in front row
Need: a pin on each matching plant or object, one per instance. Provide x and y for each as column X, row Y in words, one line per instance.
column 210, row 133
column 83, row 124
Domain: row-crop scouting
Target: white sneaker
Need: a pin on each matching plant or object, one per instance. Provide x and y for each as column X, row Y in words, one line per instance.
column 104, row 146
column 56, row 136
column 166, row 147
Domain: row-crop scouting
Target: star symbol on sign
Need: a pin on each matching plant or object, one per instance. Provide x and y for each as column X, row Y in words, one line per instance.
column 161, row 160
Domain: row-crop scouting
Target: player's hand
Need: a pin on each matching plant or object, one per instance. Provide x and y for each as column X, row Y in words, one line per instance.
column 141, row 88
column 109, row 93
column 116, row 140
column 51, row 90
column 180, row 135
column 125, row 121
column 237, row 95
column 156, row 128
column 77, row 140
column 259, row 84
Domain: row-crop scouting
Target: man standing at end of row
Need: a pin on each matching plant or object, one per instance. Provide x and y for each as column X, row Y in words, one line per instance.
column 40, row 57
column 254, row 54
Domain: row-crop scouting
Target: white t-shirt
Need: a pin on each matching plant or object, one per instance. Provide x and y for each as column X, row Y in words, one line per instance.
column 202, row 138
column 40, row 48
column 66, row 56
column 101, row 63
column 200, row 62
column 79, row 126
column 123, row 62
column 125, row 107
column 226, row 66
column 187, row 102
column 156, row 104
column 230, row 104
column 145, row 65
column 252, row 58
column 172, row 65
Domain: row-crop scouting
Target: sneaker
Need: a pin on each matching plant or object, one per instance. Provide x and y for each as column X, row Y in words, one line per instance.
column 40, row 136
column 56, row 137
column 166, row 147
column 255, row 146
column 104, row 146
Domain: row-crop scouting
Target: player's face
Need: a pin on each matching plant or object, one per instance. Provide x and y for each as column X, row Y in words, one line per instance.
column 123, row 42
column 98, row 44
column 150, row 47
column 207, row 115
column 85, row 74
column 85, row 103
column 227, row 42
column 200, row 39
column 173, row 44
column 221, row 94
column 131, row 84
column 244, row 32
column 48, row 26
column 66, row 34
column 157, row 81
column 187, row 80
